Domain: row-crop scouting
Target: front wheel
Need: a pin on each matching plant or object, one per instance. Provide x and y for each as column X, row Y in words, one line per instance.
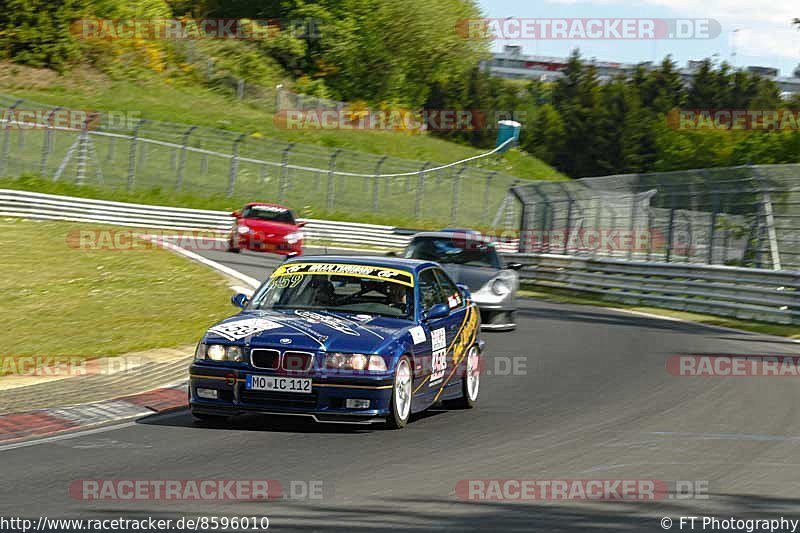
column 401, row 395
column 471, row 382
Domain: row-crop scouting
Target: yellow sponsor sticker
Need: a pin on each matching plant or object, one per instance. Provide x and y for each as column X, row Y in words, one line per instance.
column 341, row 269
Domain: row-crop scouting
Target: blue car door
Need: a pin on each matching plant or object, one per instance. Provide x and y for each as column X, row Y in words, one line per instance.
column 455, row 322
column 433, row 362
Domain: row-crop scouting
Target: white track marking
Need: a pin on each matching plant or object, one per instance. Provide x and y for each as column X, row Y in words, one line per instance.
column 82, row 433
column 253, row 282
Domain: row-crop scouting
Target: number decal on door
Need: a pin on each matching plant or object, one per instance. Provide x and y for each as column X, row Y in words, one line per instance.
column 438, row 366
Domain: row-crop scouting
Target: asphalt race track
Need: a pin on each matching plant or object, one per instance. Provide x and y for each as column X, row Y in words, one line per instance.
column 591, row 398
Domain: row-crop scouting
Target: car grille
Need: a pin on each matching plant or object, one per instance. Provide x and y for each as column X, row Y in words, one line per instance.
column 290, row 361
column 264, row 358
column 297, row 361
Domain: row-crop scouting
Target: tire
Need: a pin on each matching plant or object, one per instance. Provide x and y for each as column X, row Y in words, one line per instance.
column 402, row 392
column 498, row 321
column 470, row 385
column 210, row 419
column 232, row 248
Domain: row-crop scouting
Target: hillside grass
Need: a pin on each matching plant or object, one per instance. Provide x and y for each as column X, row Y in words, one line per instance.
column 178, row 101
column 59, row 299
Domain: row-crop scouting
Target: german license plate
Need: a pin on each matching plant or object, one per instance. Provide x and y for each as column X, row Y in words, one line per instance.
column 278, row 384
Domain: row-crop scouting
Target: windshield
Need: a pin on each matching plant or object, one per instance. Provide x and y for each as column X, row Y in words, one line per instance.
column 355, row 289
column 459, row 250
column 268, row 212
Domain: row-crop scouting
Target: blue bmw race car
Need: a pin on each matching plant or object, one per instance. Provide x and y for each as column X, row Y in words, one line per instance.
column 342, row 339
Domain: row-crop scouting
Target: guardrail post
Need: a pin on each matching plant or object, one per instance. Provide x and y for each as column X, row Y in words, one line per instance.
column 508, row 209
column 112, row 143
column 376, row 183
column 420, row 190
column 6, row 137
column 713, row 224
column 487, row 188
column 132, row 154
column 332, row 179
column 649, row 233
column 284, row 176
column 545, row 236
column 687, row 250
column 632, row 224
column 182, row 157
column 47, row 144
column 263, row 175
column 83, row 150
column 456, row 194
column 234, row 165
column 570, row 207
column 769, row 220
column 671, row 228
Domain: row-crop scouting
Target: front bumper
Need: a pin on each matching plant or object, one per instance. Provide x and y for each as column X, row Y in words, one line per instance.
column 261, row 243
column 325, row 403
column 498, row 316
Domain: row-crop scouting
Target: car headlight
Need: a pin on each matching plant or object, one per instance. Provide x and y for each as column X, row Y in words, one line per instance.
column 200, row 351
column 294, row 237
column 356, row 361
column 219, row 352
column 234, row 353
column 242, row 230
column 215, row 352
column 501, row 286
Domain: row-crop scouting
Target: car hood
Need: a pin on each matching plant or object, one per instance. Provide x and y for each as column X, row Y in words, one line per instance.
column 268, row 226
column 309, row 330
column 472, row 276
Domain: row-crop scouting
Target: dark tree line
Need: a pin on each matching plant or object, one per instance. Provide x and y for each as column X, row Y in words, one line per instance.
column 586, row 127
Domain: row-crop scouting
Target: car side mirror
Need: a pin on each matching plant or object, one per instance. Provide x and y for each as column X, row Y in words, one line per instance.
column 465, row 294
column 236, row 214
column 437, row 311
column 240, row 300
column 302, row 224
column 514, row 266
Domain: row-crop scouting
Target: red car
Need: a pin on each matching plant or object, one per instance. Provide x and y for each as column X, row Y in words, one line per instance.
column 263, row 227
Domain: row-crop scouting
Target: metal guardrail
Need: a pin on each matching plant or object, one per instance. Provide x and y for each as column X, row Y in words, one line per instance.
column 16, row 203
column 744, row 293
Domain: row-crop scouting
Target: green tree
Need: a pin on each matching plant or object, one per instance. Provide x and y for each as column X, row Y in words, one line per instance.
column 38, row 32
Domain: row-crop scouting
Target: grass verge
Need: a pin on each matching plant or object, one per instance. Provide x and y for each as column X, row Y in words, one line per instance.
column 574, row 297
column 60, row 300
